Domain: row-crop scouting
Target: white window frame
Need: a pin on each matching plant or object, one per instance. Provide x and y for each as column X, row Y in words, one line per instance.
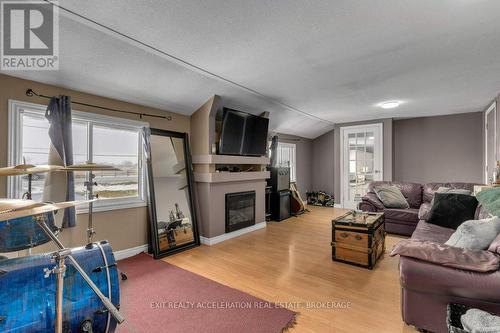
column 293, row 168
column 18, row 108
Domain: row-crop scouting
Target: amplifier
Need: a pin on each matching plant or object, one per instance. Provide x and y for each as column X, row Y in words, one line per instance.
column 280, row 205
column 280, row 178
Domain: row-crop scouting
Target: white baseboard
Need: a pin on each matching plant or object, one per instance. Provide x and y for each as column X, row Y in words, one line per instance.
column 337, row 206
column 122, row 254
column 229, row 235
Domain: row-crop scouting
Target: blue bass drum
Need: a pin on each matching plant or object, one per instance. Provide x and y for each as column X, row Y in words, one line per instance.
column 27, row 298
column 23, row 233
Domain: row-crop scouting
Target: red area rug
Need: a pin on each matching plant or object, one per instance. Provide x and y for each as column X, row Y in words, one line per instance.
column 160, row 297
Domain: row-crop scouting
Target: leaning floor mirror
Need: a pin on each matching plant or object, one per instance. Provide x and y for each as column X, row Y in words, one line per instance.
column 171, row 204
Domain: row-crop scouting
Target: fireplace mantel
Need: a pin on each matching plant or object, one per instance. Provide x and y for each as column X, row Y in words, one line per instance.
column 222, row 177
column 212, row 186
column 229, row 159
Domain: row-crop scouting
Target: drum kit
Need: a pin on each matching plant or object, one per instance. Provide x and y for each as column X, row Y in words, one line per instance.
column 70, row 295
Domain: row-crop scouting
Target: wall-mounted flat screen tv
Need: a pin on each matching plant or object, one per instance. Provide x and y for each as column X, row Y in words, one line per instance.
column 243, row 134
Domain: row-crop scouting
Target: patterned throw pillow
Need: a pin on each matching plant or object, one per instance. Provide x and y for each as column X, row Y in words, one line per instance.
column 475, row 234
column 391, row 196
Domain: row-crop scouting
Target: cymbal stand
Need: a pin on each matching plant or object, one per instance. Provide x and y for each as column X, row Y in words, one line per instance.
column 60, row 269
column 27, row 196
column 89, row 185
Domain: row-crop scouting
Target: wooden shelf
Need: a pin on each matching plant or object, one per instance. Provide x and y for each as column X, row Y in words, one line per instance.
column 222, row 177
column 229, row 159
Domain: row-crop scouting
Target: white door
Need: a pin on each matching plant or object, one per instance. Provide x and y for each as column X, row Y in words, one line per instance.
column 490, row 124
column 361, row 161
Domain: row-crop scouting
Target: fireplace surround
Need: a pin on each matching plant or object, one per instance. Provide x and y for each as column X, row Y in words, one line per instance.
column 240, row 210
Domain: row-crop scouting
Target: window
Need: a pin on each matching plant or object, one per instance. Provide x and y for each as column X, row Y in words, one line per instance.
column 96, row 138
column 286, row 158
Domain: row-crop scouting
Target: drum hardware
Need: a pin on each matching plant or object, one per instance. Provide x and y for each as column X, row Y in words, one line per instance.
column 100, row 268
column 58, row 270
column 86, row 326
column 60, row 257
column 89, row 185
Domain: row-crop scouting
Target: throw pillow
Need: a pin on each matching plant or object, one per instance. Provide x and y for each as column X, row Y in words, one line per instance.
column 450, row 209
column 442, row 189
column 475, row 234
column 441, row 254
column 391, row 196
column 490, row 199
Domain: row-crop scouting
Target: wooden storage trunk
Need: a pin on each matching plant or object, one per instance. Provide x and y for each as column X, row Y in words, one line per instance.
column 358, row 240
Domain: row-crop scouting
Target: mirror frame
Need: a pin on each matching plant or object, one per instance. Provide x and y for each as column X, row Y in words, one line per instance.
column 153, row 220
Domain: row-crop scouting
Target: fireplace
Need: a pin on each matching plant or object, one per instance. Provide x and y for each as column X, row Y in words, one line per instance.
column 240, row 210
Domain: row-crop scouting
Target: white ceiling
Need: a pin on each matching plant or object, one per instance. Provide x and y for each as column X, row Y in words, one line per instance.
column 334, row 60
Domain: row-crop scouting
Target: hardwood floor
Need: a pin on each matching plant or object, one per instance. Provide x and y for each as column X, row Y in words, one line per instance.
column 290, row 261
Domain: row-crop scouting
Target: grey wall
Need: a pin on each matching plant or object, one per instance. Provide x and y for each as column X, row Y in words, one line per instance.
column 303, row 153
column 323, row 163
column 388, row 151
column 439, row 149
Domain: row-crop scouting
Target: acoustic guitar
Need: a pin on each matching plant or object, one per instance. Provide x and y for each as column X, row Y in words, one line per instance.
column 296, row 203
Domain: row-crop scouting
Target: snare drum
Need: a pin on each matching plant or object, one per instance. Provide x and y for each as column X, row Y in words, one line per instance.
column 24, row 233
column 27, row 301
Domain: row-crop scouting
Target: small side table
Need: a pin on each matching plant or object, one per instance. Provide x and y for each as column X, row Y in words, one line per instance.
column 358, row 238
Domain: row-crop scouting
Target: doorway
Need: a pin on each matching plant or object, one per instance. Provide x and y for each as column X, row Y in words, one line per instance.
column 361, row 161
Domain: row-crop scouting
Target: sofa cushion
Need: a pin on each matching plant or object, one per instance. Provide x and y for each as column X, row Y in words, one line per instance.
column 424, row 210
column 406, row 215
column 450, row 210
column 475, row 234
column 441, row 254
column 391, row 196
column 481, row 213
column 429, row 189
column 411, row 191
column 374, row 200
column 431, row 232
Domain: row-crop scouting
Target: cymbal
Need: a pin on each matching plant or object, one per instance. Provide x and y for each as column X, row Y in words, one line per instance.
column 90, row 167
column 14, row 204
column 36, row 208
column 26, row 169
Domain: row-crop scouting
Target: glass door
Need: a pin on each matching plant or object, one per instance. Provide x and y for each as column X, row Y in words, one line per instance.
column 362, row 161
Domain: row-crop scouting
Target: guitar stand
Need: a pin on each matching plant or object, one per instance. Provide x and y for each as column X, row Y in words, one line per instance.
column 60, row 257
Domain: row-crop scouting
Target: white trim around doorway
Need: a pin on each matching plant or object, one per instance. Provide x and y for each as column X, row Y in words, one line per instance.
column 342, row 153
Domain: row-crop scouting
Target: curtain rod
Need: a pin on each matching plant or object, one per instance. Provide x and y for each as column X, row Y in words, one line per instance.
column 32, row 93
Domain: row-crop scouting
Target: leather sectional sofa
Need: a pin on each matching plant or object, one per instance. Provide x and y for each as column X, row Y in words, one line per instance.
column 427, row 288
column 419, row 197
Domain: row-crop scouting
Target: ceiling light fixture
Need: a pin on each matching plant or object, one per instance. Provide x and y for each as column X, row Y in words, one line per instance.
column 389, row 104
